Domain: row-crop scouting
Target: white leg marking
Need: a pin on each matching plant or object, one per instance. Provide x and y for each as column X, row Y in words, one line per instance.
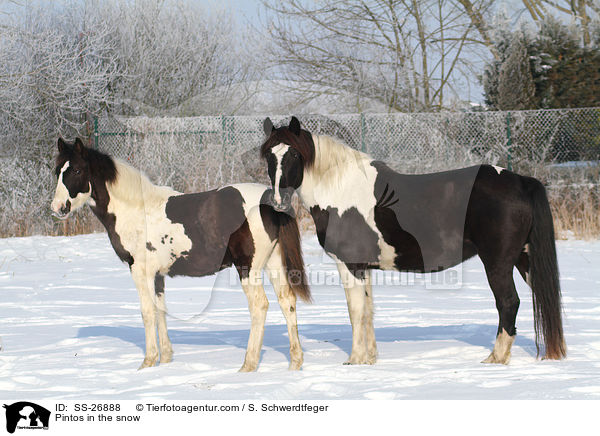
column 357, row 308
column 287, row 302
column 148, row 308
column 501, row 352
column 370, row 329
column 166, row 349
column 258, row 305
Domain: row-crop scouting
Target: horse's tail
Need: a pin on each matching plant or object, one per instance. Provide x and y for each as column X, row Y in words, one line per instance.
column 291, row 255
column 543, row 276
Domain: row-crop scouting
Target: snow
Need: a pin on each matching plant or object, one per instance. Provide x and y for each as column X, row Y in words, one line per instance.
column 70, row 328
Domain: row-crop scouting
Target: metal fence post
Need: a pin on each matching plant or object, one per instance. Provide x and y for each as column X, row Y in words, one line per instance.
column 362, row 133
column 508, row 143
column 96, row 133
column 223, row 136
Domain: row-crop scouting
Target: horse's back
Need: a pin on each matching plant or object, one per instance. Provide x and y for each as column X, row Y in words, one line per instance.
column 226, row 226
column 435, row 221
column 209, row 219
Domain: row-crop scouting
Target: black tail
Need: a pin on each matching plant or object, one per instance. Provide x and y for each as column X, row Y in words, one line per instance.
column 291, row 255
column 543, row 271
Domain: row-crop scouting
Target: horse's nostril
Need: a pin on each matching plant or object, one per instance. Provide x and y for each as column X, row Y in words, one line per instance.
column 66, row 208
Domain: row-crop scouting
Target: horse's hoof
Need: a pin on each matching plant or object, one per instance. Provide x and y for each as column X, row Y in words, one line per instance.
column 147, row 363
column 295, row 366
column 492, row 358
column 358, row 361
column 248, row 368
column 166, row 357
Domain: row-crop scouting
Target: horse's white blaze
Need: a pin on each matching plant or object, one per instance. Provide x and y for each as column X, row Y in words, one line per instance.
column 498, row 169
column 61, row 195
column 279, row 151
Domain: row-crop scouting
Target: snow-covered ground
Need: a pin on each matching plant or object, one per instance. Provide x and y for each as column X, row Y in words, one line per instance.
column 70, row 328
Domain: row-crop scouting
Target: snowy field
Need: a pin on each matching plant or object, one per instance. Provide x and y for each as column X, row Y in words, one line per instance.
column 70, row 328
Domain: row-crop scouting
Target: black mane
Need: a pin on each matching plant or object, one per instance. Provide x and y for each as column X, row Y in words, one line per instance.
column 102, row 166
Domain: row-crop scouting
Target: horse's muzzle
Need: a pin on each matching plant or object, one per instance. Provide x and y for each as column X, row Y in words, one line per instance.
column 63, row 212
column 285, row 203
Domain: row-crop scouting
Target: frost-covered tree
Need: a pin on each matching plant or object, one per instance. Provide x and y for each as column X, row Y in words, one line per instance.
column 565, row 73
column 176, row 58
column 516, row 90
column 64, row 62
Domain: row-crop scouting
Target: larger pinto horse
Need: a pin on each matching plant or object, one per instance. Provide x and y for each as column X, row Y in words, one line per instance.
column 158, row 231
column 368, row 216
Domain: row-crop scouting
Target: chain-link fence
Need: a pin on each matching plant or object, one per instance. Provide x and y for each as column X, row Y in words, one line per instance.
column 204, row 152
column 560, row 147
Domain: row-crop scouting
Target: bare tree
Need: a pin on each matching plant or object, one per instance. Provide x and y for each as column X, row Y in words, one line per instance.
column 403, row 54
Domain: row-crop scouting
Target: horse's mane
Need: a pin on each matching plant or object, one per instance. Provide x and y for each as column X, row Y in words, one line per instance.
column 302, row 143
column 133, row 186
column 334, row 158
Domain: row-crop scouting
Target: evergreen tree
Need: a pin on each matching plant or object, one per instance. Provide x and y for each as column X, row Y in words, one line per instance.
column 516, row 90
column 563, row 72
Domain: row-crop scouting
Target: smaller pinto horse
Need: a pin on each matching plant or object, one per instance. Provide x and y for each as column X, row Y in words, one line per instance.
column 158, row 231
column 370, row 217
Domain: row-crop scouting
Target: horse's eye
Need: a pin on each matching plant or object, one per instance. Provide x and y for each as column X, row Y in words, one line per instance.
column 77, row 171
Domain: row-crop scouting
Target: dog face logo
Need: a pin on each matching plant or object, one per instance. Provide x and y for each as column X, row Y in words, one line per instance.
column 25, row 415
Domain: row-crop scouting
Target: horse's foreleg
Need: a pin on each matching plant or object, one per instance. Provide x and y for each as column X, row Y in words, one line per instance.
column 166, row 349
column 148, row 308
column 258, row 305
column 356, row 297
column 370, row 329
column 287, row 302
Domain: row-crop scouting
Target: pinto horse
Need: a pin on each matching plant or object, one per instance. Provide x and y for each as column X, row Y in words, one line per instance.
column 159, row 231
column 369, row 217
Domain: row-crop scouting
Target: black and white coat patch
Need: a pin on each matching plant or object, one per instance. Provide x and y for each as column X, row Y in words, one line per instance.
column 158, row 231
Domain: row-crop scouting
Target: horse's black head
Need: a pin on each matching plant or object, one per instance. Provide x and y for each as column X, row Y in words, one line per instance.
column 288, row 150
column 74, row 186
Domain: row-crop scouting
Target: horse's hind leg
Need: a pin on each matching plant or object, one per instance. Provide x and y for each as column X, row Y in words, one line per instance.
column 166, row 349
column 523, row 264
column 287, row 302
column 258, row 306
column 507, row 302
column 369, row 328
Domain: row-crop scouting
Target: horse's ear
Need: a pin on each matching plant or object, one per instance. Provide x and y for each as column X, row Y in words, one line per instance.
column 295, row 126
column 80, row 148
column 268, row 126
column 61, row 144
